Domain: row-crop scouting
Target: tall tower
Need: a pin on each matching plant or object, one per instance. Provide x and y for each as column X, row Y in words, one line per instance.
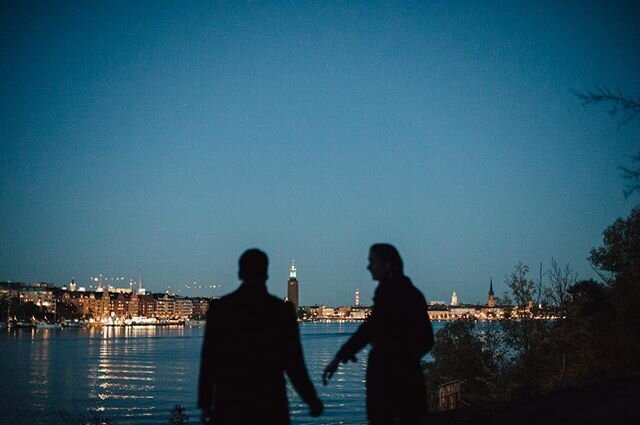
column 492, row 301
column 292, row 287
column 99, row 280
column 357, row 298
column 454, row 299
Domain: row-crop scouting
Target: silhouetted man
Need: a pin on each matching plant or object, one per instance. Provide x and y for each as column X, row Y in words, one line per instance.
column 251, row 339
column 400, row 333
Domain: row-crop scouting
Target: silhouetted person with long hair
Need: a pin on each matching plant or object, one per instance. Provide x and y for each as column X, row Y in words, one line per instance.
column 400, row 333
column 251, row 339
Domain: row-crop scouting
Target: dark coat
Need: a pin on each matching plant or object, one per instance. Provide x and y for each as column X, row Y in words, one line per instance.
column 251, row 340
column 400, row 334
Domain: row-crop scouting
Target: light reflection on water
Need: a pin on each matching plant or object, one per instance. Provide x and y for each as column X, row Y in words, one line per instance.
column 39, row 373
column 136, row 375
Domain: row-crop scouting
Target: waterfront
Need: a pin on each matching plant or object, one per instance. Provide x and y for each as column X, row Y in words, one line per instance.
column 136, row 375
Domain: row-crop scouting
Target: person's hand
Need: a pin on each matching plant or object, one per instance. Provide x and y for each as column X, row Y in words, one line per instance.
column 316, row 408
column 330, row 370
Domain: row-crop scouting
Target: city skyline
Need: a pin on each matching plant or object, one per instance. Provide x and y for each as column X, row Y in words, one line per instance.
column 170, row 138
column 200, row 289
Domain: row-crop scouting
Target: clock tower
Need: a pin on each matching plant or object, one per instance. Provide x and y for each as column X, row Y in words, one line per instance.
column 292, row 287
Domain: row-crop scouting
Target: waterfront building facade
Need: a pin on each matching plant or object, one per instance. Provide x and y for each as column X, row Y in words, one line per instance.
column 103, row 306
column 10, row 289
column 165, row 306
column 147, row 305
column 117, row 304
column 40, row 296
column 133, row 305
column 200, row 306
column 183, row 308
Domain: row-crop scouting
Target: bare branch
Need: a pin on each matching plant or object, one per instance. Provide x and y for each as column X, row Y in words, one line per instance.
column 606, row 280
column 619, row 104
column 560, row 280
column 625, row 109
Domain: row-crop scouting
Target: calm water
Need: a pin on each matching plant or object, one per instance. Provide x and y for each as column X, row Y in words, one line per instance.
column 135, row 375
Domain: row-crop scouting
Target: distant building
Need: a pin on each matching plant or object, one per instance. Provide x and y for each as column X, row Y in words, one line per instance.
column 491, row 302
column 360, row 312
column 165, row 306
column 41, row 296
column 343, row 311
column 90, row 304
column 10, row 289
column 114, row 289
column 438, row 312
column 183, row 308
column 466, row 312
column 312, row 312
column 43, row 285
column 454, row 299
column 133, row 307
column 200, row 306
column 292, row 287
column 357, row 298
column 117, row 303
column 326, row 312
column 147, row 305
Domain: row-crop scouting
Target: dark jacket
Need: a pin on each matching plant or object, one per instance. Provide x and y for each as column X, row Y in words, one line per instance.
column 251, row 339
column 400, row 334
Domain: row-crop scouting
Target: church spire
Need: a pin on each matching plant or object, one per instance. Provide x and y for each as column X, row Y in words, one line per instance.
column 491, row 302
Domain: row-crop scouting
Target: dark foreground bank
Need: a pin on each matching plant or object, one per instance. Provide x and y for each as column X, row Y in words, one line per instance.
column 614, row 401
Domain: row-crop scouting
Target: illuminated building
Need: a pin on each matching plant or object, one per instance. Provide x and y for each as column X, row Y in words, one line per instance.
column 454, row 299
column 147, row 305
column 39, row 295
column 133, row 306
column 117, row 303
column 292, row 287
column 200, row 306
column 183, row 308
column 165, row 306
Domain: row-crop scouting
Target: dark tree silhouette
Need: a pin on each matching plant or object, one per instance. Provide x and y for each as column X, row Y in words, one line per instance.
column 626, row 109
column 560, row 280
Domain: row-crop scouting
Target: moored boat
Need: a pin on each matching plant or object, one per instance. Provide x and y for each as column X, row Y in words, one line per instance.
column 74, row 324
column 195, row 323
column 47, row 325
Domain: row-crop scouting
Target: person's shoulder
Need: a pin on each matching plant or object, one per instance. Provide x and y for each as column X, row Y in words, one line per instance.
column 214, row 302
column 221, row 302
column 214, row 305
column 414, row 291
column 276, row 302
column 284, row 307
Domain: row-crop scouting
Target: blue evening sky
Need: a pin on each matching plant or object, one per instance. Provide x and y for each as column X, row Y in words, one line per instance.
column 168, row 137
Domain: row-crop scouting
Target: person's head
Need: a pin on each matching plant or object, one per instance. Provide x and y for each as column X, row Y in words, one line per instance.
column 384, row 262
column 253, row 265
